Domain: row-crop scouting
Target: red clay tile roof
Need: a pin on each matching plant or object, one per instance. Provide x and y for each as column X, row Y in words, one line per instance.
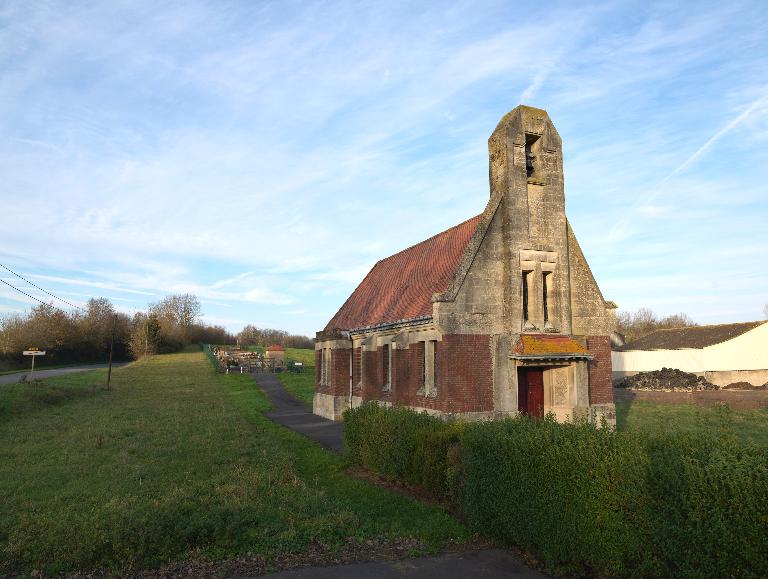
column 400, row 287
column 275, row 348
column 529, row 345
column 690, row 337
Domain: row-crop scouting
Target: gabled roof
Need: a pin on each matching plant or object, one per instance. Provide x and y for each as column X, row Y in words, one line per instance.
column 690, row 337
column 400, row 287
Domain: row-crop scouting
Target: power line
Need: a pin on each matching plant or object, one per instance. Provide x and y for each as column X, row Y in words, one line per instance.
column 38, row 287
column 25, row 293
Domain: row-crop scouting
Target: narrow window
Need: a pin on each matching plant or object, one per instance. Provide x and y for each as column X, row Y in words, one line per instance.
column 429, row 368
column 424, row 366
column 385, row 361
column 525, row 295
column 362, row 365
column 322, row 367
column 435, row 366
column 544, row 295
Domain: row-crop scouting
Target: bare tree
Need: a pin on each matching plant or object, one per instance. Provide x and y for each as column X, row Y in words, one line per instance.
column 644, row 321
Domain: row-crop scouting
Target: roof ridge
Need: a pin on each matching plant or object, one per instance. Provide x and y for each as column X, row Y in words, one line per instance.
column 400, row 286
column 444, row 231
column 703, row 326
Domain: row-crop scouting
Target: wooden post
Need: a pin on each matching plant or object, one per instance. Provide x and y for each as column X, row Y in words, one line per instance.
column 111, row 350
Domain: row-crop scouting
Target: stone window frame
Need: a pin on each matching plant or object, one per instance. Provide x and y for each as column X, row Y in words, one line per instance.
column 428, row 369
column 328, row 366
column 536, row 264
column 323, row 366
column 362, row 366
column 386, row 366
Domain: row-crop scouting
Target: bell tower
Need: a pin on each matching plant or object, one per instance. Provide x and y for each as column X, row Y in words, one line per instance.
column 526, row 171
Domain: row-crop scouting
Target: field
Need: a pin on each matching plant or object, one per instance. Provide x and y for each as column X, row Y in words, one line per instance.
column 751, row 425
column 177, row 463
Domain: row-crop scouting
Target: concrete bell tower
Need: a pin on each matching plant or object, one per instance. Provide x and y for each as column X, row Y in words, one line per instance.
column 526, row 171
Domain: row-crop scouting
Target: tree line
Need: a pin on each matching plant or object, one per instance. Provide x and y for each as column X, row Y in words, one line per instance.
column 252, row 336
column 634, row 325
column 85, row 335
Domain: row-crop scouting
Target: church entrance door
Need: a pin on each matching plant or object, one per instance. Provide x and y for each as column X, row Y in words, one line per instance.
column 530, row 391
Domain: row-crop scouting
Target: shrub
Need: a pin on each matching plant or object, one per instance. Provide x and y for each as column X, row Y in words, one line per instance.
column 401, row 444
column 571, row 492
column 708, row 505
column 587, row 500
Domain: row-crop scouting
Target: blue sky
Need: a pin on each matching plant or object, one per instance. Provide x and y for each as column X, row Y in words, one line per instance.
column 264, row 155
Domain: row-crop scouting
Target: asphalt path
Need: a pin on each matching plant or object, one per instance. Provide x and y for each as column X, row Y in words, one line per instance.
column 487, row 563
column 294, row 414
column 41, row 374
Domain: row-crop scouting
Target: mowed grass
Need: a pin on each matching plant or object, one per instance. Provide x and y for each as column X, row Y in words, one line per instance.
column 175, row 463
column 306, row 357
column 747, row 425
column 302, row 385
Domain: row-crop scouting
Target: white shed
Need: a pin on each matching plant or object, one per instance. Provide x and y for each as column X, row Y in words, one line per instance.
column 723, row 353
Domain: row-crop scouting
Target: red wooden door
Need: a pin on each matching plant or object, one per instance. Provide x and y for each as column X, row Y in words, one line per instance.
column 530, row 391
column 522, row 390
column 536, row 393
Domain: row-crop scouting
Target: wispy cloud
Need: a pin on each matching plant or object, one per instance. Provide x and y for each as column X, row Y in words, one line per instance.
column 264, row 155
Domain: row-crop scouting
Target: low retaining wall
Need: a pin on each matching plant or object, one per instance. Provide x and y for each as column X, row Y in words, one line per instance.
column 736, row 399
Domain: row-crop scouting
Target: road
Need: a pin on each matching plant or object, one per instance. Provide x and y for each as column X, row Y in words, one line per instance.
column 40, row 374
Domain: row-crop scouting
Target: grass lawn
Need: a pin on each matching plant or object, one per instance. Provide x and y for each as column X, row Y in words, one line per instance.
column 307, row 357
column 751, row 425
column 302, row 386
column 175, row 463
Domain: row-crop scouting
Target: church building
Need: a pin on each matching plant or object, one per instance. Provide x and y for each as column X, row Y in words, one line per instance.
column 497, row 315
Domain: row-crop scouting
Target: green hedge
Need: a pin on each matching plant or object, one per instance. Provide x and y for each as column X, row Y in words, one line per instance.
column 588, row 501
column 401, row 444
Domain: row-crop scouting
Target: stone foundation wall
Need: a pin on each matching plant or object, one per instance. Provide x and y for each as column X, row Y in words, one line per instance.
column 329, row 406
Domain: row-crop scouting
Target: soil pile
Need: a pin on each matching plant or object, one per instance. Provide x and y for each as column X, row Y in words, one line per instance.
column 667, row 380
column 744, row 386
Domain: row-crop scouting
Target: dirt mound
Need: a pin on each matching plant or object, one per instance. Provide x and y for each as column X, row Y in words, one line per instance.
column 668, row 380
column 744, row 386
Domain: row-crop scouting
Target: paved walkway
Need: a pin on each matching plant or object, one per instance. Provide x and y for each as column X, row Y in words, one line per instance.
column 294, row 414
column 41, row 374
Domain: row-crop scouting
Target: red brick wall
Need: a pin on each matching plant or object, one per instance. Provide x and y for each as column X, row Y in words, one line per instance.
column 372, row 375
column 407, row 375
column 340, row 372
column 464, row 375
column 600, row 386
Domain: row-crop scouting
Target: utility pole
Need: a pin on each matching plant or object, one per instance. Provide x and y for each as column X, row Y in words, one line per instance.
column 111, row 349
